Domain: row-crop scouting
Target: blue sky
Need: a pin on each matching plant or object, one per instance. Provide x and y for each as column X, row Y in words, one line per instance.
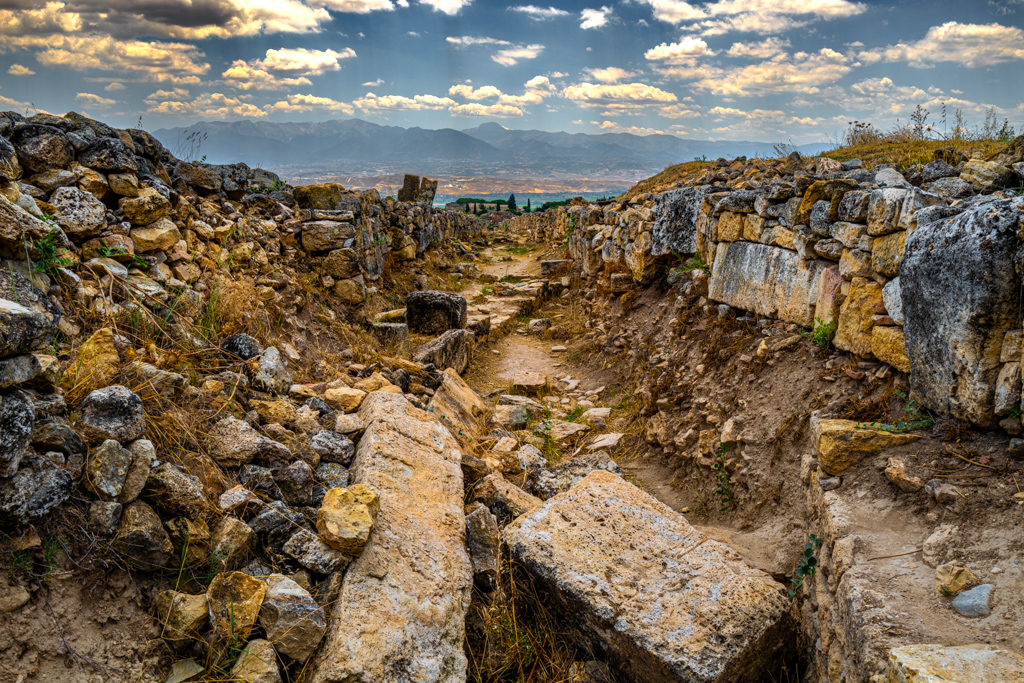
column 728, row 69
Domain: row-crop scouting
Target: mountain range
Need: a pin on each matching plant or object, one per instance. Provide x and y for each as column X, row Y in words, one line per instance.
column 353, row 146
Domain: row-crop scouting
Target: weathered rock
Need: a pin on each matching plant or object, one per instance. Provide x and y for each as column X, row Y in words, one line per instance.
column 256, row 664
column 241, row 346
column 563, row 431
column 114, row 412
column 893, row 300
column 230, row 543
column 953, row 664
column 960, row 296
column 233, row 442
column 896, row 472
column 333, row 447
column 667, row 604
column 17, row 416
column 326, row 235
column 987, row 175
column 293, row 620
column 41, row 148
column 170, row 489
column 854, row 333
column 346, row 517
column 79, row 213
column 975, row 601
column 96, row 363
column 453, row 349
column 323, row 196
column 200, row 177
column 888, row 345
column 270, row 372
column 346, row 399
column 503, row 498
column 675, row 225
column 104, row 517
column 106, row 469
column 770, row 281
column 1008, row 389
column 410, row 616
column 160, row 235
column 951, row 579
column 276, row 525
column 458, row 403
column 148, row 207
column 151, row 379
column 183, row 617
column 296, row 483
column 841, row 443
column 484, row 544
column 887, row 252
column 351, row 291
column 108, row 155
column 142, row 539
column 234, row 601
column 311, row 552
column 433, row 312
column 29, row 495
column 10, row 167
column 18, row 370
column 548, row 483
column 23, row 329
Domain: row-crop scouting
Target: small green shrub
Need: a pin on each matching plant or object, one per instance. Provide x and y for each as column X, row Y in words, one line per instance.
column 723, row 479
column 807, row 566
column 910, row 407
column 694, row 263
column 50, row 259
column 822, row 334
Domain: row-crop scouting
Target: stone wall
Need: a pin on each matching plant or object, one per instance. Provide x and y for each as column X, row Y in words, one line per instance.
column 918, row 271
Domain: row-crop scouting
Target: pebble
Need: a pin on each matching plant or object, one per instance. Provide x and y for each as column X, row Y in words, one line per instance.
column 974, row 602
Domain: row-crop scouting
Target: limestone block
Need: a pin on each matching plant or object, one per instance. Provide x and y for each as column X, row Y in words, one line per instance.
column 841, row 444
column 855, row 317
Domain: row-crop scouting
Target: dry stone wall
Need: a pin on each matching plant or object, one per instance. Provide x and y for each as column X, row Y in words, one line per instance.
column 920, row 271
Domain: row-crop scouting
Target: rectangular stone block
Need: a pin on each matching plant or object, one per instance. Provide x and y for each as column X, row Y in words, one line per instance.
column 770, row 281
column 637, row 583
column 401, row 612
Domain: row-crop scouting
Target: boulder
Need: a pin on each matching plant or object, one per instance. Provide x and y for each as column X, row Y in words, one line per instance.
column 346, row 399
column 458, row 403
column 199, row 176
column 17, row 417
column 234, row 601
column 160, row 235
column 79, row 213
column 409, row 618
column 233, row 442
column 106, row 469
column 841, row 444
column 484, row 544
column 675, row 225
column 325, row 235
column 108, row 155
column 23, row 329
column 637, row 583
column 296, row 483
column 41, row 148
column 142, row 539
column 432, row 312
column 114, row 412
column 324, row 197
column 174, row 491
column 770, row 281
column 961, row 295
column 987, row 175
column 346, row 517
column 503, row 498
column 333, row 447
column 953, row 664
column 548, row 483
column 10, row 167
column 29, row 495
column 256, row 664
column 453, row 349
column 292, row 619
column 18, row 229
column 147, row 208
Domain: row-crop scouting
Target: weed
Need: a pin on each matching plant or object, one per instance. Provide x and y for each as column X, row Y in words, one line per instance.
column 50, row 259
column 807, row 566
column 723, row 479
column 902, row 426
column 111, row 252
column 575, row 414
column 274, row 186
column 822, row 333
column 487, row 291
column 695, row 263
column 519, row 251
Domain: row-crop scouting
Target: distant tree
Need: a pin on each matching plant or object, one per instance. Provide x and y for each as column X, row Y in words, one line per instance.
column 528, row 205
column 512, row 202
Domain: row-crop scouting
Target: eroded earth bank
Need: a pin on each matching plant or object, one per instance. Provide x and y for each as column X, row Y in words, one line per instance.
column 761, row 425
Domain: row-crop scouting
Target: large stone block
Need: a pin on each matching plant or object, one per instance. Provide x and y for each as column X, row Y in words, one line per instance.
column 675, row 228
column 400, row 614
column 953, row 664
column 856, row 317
column 841, row 444
column 770, row 281
column 636, row 582
column 961, row 295
column 433, row 312
column 326, row 235
column 453, row 349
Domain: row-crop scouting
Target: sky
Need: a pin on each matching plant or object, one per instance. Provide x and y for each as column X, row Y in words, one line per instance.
column 765, row 70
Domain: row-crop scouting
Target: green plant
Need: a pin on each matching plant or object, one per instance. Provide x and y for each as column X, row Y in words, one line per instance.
column 488, row 290
column 274, row 186
column 807, row 566
column 902, row 426
column 822, row 333
column 50, row 259
column 723, row 479
column 694, row 263
column 575, row 414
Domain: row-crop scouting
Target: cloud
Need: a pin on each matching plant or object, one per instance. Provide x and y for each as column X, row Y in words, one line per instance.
column 356, row 6
column 537, row 88
column 803, row 73
column 90, row 100
column 467, row 92
column 8, row 103
column 762, row 50
column 111, row 87
column 618, row 96
column 677, row 111
column 467, row 41
column 207, row 105
column 19, row 70
column 371, row 102
column 511, row 56
column 449, row 7
column 972, row 45
column 758, row 16
column 824, row 9
column 154, row 61
column 181, row 19
column 374, row 84
column 307, row 103
column 611, row 74
column 690, row 73
column 595, row 18
column 685, row 52
column 674, row 11
column 539, row 13
column 293, row 64
column 248, row 77
column 492, row 110
column 614, row 127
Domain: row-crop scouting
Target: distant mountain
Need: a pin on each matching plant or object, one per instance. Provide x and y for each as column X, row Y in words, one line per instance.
column 360, row 146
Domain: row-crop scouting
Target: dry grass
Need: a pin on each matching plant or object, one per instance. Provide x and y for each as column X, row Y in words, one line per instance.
column 680, row 173
column 905, row 153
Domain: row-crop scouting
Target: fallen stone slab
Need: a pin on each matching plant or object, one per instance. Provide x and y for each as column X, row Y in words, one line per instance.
column 952, row 664
column 636, row 582
column 401, row 611
column 453, row 349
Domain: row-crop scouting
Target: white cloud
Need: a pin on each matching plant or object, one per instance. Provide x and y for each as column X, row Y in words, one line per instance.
column 972, row 45
column 614, row 127
column 371, row 102
column 356, row 6
column 685, row 52
column 248, row 77
column 8, row 103
column 611, row 74
column 114, row 86
column 467, row 41
column 803, row 73
column 595, row 18
column 674, row 11
column 624, row 95
column 467, row 92
column 537, row 88
column 825, row 9
column 374, row 84
column 492, row 110
column 540, row 13
column 155, row 61
column 511, row 56
column 762, row 50
column 207, row 105
column 759, row 16
column 95, row 101
column 677, row 111
column 449, row 7
column 307, row 103
column 19, row 70
column 302, row 61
